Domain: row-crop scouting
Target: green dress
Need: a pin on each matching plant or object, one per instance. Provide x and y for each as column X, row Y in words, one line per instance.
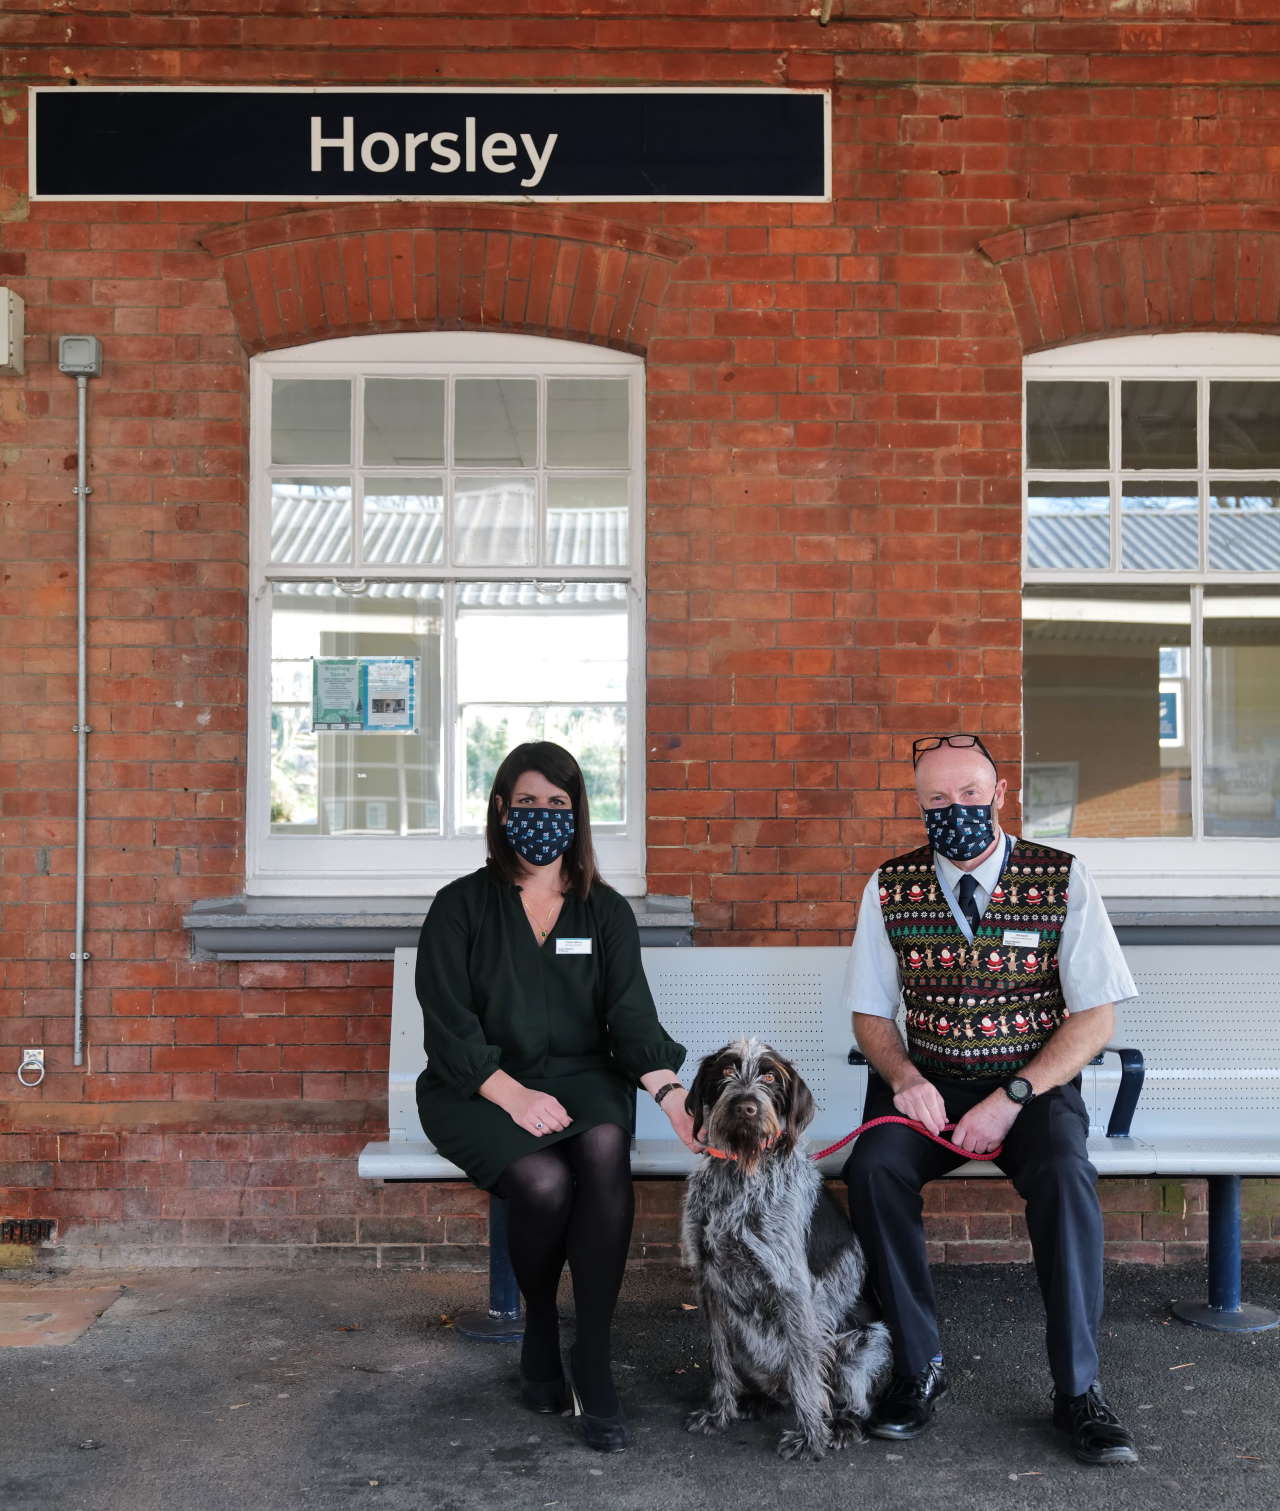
column 573, row 1016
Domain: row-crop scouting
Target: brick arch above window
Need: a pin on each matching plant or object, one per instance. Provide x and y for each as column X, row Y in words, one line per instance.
column 1182, row 267
column 359, row 269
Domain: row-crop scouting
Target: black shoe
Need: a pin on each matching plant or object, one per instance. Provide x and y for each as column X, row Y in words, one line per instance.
column 907, row 1406
column 604, row 1434
column 1097, row 1436
column 550, row 1397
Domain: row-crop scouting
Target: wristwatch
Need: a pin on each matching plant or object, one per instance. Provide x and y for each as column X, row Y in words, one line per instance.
column 1020, row 1090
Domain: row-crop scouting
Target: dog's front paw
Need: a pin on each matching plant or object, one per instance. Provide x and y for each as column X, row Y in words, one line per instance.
column 706, row 1421
column 845, row 1429
column 794, row 1444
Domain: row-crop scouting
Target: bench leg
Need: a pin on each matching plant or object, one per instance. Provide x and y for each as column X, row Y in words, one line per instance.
column 502, row 1323
column 1224, row 1312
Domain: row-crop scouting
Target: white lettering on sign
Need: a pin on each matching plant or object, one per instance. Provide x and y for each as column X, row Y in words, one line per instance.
column 434, row 152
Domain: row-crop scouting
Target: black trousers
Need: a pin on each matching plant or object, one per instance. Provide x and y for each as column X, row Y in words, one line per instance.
column 1045, row 1157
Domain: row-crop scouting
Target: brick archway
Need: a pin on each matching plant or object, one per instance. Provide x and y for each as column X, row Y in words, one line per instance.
column 357, row 269
column 1185, row 267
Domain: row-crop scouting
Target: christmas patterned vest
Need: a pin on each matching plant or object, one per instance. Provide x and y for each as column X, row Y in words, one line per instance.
column 979, row 1010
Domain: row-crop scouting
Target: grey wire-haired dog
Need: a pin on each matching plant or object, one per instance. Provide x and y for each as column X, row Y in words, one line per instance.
column 779, row 1271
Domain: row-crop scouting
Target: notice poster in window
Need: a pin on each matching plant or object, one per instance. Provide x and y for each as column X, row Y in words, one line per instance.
column 335, row 694
column 365, row 695
column 389, row 684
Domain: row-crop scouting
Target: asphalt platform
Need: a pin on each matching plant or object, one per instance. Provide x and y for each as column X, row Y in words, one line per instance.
column 233, row 1390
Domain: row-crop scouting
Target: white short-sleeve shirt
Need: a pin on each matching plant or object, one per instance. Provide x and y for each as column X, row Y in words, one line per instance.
column 1091, row 965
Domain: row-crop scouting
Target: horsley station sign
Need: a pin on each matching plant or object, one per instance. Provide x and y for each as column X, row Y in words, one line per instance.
column 156, row 143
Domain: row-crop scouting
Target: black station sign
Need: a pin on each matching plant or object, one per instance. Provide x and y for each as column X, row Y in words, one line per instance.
column 348, row 144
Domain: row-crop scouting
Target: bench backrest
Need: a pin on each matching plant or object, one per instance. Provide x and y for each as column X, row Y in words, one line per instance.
column 1207, row 1021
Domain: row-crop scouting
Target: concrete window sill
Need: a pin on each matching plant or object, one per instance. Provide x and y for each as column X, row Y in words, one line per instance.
column 362, row 928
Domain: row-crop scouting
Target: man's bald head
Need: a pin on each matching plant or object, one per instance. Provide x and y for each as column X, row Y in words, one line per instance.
column 950, row 775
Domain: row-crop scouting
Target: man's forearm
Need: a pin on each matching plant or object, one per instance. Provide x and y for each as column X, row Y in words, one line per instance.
column 1070, row 1048
column 879, row 1039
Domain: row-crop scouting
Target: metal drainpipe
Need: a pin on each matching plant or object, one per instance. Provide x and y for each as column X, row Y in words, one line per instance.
column 82, row 727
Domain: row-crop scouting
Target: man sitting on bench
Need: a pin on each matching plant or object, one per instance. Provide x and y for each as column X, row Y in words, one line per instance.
column 1009, row 969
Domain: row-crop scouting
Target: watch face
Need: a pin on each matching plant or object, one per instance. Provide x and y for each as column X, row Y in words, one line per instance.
column 1020, row 1089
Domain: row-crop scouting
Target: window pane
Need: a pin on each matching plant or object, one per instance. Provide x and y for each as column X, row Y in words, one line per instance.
column 1068, row 525
column 404, row 520
column 595, row 733
column 1244, row 424
column 494, row 521
column 310, row 521
column 544, row 664
column 1105, row 678
column 1067, row 424
column 1157, row 424
column 310, row 421
column 495, row 422
column 1160, row 527
column 404, row 422
column 587, row 423
column 587, row 521
column 332, row 781
column 1242, row 711
column 1244, row 527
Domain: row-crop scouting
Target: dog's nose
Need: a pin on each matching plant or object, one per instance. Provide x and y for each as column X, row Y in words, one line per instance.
column 750, row 1110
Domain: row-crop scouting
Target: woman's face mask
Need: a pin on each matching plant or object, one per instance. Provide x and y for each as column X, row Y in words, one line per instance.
column 539, row 835
column 961, row 831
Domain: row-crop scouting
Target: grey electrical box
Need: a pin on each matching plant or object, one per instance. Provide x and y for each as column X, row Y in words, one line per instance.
column 80, row 356
column 12, row 329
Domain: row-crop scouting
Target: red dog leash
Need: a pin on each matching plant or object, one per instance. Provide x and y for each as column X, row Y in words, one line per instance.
column 876, row 1123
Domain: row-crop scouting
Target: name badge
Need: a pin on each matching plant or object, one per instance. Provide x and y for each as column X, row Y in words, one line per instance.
column 573, row 946
column 1021, row 939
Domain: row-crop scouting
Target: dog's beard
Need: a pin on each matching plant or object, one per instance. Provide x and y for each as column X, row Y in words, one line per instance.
column 748, row 1139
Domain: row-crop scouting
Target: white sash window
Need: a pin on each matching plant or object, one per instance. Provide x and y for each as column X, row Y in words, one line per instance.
column 447, row 560
column 1151, row 610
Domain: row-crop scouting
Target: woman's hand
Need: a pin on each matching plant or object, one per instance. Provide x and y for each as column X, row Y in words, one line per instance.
column 537, row 1112
column 673, row 1105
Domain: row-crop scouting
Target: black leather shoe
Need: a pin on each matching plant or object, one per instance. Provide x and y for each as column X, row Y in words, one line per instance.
column 1097, row 1436
column 550, row 1397
column 604, row 1434
column 907, row 1406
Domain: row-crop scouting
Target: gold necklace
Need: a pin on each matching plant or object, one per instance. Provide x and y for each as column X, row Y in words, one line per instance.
column 532, row 917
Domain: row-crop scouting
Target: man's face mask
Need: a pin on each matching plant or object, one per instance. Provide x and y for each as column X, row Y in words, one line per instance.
column 961, row 831
column 539, row 835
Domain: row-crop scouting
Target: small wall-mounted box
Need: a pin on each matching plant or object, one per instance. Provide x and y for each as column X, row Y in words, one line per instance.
column 12, row 329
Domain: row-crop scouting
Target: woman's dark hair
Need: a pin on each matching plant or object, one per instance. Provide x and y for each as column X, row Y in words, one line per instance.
column 556, row 764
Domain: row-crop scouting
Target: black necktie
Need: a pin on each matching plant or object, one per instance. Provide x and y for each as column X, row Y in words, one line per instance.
column 968, row 903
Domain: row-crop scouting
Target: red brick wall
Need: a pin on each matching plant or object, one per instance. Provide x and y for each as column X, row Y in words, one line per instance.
column 833, row 513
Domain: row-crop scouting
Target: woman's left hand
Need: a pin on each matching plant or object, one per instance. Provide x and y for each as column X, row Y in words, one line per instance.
column 681, row 1121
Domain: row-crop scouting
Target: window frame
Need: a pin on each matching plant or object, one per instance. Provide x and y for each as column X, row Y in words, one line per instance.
column 1197, row 865
column 279, row 865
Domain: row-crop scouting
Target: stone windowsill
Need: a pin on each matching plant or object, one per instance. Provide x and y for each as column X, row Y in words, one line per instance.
column 361, row 928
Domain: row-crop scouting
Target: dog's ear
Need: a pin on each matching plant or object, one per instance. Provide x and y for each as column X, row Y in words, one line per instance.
column 799, row 1107
column 705, row 1088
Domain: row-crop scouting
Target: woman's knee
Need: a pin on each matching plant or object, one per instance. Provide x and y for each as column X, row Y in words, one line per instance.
column 539, row 1183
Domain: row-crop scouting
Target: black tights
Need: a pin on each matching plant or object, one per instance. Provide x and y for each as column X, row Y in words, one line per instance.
column 572, row 1201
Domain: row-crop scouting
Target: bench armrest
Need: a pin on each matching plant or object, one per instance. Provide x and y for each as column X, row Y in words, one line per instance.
column 1132, row 1073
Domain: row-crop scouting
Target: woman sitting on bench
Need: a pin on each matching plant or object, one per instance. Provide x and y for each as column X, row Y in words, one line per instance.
column 539, row 1024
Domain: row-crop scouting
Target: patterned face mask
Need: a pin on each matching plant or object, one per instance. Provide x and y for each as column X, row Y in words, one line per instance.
column 540, row 835
column 961, row 831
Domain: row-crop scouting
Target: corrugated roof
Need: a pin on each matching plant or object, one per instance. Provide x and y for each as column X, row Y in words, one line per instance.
column 1248, row 541
column 311, row 527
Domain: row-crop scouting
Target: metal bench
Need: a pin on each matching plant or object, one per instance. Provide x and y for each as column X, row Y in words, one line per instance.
column 793, row 998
